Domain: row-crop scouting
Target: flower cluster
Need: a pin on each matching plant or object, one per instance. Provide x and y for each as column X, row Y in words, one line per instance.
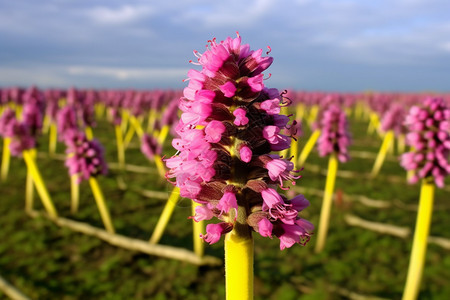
column 85, row 158
column 335, row 137
column 66, row 120
column 429, row 137
column 393, row 119
column 19, row 133
column 229, row 125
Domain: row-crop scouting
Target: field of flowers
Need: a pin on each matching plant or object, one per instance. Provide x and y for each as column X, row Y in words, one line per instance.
column 99, row 157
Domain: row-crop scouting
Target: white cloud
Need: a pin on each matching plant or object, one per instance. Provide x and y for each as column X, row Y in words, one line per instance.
column 124, row 74
column 446, row 46
column 120, row 15
column 227, row 13
column 26, row 76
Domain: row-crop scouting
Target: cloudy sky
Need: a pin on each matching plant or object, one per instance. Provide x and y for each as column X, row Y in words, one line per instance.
column 333, row 45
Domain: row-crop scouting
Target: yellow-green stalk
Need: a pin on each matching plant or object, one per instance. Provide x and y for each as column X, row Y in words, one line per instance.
column 327, row 202
column 129, row 136
column 313, row 112
column 294, row 142
column 198, row 229
column 99, row 110
column 125, row 119
column 46, row 124
column 39, row 183
column 101, row 204
column 419, row 247
column 359, row 111
column 136, row 126
column 239, row 260
column 165, row 216
column 89, row 133
column 401, row 143
column 120, row 147
column 374, row 123
column 163, row 134
column 159, row 165
column 52, row 139
column 308, row 146
column 151, row 120
column 6, row 157
column 387, row 141
column 29, row 192
column 74, row 194
column 284, row 111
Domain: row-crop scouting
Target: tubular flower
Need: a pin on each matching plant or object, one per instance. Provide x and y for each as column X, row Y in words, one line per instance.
column 85, row 158
column 66, row 119
column 429, row 137
column 335, row 136
column 394, row 119
column 19, row 132
column 229, row 125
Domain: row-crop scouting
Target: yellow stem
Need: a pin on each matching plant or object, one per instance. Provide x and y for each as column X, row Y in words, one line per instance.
column 308, row 147
column 401, row 144
column 151, row 120
column 101, row 204
column 299, row 112
column 198, row 228
column 99, row 110
column 29, row 192
column 120, row 147
column 19, row 109
column 419, row 247
column 284, row 111
column 129, row 136
column 313, row 114
column 46, row 124
column 326, row 204
column 239, row 264
column 125, row 119
column 52, row 139
column 163, row 134
column 387, row 141
column 165, row 216
column 374, row 123
column 74, row 194
column 6, row 157
column 294, row 152
column 160, row 165
column 89, row 133
column 40, row 186
column 137, row 126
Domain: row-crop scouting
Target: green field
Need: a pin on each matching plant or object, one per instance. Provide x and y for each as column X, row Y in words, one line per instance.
column 45, row 261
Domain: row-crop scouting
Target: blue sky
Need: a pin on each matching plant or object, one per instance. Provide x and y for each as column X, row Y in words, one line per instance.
column 331, row 45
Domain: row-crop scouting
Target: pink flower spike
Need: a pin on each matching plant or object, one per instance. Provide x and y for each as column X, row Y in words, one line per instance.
column 202, row 213
column 270, row 133
column 256, row 83
column 228, row 89
column 272, row 106
column 213, row 131
column 271, row 199
column 246, row 154
column 227, row 202
column 299, row 203
column 241, row 118
column 265, row 227
column 215, row 231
